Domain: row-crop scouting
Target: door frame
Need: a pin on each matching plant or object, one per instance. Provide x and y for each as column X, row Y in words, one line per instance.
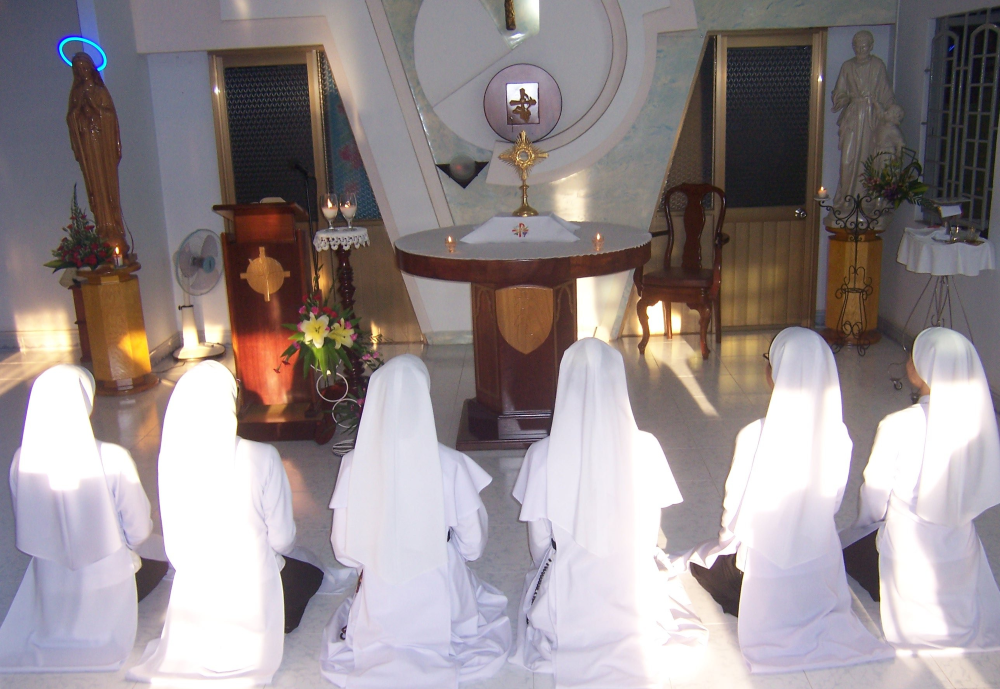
column 307, row 55
column 816, row 37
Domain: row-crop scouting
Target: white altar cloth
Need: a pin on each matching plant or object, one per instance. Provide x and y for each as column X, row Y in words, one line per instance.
column 433, row 244
column 921, row 252
column 513, row 229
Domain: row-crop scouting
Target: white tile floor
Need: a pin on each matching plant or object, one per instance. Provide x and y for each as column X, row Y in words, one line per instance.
column 694, row 407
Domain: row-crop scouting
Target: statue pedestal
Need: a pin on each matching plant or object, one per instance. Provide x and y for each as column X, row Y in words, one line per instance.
column 117, row 332
column 852, row 288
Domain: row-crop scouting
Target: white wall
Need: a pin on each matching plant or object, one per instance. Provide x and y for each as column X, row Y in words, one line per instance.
column 838, row 51
column 127, row 77
column 901, row 288
column 189, row 168
column 37, row 172
column 37, row 169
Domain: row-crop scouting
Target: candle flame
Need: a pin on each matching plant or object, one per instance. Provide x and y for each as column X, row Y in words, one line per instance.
column 117, row 252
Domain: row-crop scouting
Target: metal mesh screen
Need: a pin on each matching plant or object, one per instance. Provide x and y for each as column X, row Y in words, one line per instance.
column 767, row 125
column 962, row 111
column 269, row 127
column 345, row 172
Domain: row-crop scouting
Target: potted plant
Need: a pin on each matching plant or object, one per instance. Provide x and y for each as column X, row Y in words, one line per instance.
column 81, row 248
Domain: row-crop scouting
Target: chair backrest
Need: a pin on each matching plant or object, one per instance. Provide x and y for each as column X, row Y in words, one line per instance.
column 694, row 223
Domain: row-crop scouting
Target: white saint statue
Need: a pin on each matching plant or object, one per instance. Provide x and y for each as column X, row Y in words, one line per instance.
column 862, row 96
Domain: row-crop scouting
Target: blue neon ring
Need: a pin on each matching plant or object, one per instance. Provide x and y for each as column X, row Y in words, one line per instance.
column 70, row 39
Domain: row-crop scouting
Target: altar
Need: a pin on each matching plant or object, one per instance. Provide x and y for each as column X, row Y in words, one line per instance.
column 523, row 317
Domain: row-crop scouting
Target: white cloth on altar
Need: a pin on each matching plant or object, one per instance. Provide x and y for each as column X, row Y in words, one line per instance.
column 75, row 610
column 597, row 610
column 227, row 516
column 503, row 229
column 415, row 621
column 920, row 252
column 936, row 588
column 795, row 615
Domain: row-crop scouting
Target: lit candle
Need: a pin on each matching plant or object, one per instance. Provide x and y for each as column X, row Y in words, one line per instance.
column 118, row 258
column 450, row 243
column 598, row 242
column 329, row 210
column 822, row 194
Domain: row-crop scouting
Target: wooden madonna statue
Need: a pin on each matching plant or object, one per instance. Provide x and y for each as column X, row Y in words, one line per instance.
column 111, row 297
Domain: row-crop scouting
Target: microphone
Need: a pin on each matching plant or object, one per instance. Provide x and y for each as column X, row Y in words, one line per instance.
column 293, row 164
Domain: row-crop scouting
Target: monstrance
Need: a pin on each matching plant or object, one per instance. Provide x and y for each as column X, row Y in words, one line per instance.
column 523, row 155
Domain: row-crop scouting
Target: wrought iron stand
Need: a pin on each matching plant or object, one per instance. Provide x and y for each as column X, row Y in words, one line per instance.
column 859, row 223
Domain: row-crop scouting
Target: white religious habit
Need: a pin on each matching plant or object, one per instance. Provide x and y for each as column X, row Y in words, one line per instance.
column 785, row 486
column 79, row 511
column 597, row 611
column 407, row 514
column 935, row 467
column 226, row 507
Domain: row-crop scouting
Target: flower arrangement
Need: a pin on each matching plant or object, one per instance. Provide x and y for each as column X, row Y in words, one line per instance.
column 894, row 178
column 323, row 337
column 82, row 248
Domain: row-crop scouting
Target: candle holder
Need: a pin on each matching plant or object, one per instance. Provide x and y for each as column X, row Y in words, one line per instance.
column 450, row 243
column 860, row 223
column 598, row 242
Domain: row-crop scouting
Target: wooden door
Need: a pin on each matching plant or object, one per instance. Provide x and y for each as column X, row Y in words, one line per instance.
column 768, row 143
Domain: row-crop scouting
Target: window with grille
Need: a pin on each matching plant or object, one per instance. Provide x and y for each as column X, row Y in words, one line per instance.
column 963, row 110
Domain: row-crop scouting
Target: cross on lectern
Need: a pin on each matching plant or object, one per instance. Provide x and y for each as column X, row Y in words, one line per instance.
column 265, row 275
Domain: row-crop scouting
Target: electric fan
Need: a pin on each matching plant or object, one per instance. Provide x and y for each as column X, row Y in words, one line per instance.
column 197, row 268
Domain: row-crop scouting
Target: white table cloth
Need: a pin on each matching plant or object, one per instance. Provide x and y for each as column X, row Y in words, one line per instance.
column 341, row 238
column 921, row 251
column 513, row 229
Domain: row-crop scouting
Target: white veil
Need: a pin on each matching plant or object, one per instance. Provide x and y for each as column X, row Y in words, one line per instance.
column 590, row 468
column 803, row 456
column 196, row 467
column 65, row 512
column 395, row 500
column 960, row 468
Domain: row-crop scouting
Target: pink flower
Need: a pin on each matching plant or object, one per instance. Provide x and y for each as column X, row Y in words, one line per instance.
column 315, row 310
column 302, row 311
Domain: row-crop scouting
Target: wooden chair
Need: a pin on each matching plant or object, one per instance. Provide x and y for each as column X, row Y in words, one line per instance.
column 688, row 283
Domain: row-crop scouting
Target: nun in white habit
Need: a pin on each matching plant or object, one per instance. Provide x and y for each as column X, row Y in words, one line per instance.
column 935, row 467
column 597, row 610
column 407, row 514
column 785, row 486
column 79, row 511
column 226, row 507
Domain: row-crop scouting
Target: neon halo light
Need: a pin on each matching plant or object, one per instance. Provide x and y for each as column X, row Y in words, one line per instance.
column 70, row 39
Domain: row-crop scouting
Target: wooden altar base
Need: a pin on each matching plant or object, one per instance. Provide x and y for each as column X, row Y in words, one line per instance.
column 483, row 429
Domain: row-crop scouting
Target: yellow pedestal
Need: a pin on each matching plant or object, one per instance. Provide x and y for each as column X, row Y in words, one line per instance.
column 853, row 278
column 117, row 333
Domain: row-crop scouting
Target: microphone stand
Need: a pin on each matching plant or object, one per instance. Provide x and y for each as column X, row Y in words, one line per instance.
column 313, row 218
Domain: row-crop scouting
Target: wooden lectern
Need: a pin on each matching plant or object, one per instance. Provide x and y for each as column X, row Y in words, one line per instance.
column 268, row 269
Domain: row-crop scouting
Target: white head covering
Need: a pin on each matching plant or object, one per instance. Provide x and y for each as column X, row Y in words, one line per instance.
column 960, row 469
column 590, row 468
column 65, row 512
column 803, row 456
column 196, row 467
column 395, row 501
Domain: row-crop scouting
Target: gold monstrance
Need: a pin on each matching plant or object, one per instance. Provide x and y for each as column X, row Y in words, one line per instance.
column 523, row 155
